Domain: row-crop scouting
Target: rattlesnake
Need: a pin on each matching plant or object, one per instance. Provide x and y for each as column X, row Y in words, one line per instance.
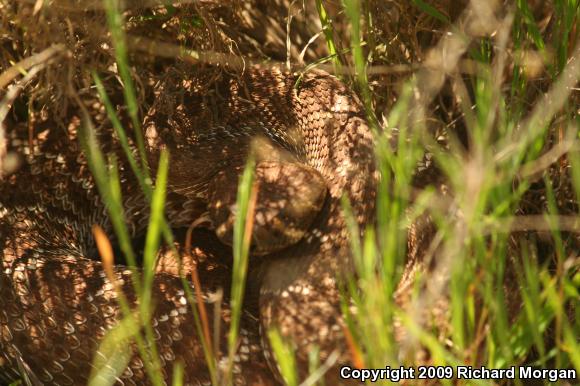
column 55, row 301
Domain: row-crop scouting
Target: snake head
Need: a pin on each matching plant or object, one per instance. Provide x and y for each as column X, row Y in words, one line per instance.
column 290, row 196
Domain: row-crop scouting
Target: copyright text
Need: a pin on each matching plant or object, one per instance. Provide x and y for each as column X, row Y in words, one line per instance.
column 396, row 374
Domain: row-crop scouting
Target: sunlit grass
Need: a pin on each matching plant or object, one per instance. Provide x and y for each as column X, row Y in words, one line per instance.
column 246, row 201
column 472, row 258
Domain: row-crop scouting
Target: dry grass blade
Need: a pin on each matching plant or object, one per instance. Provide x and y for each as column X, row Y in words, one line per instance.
column 106, row 252
column 358, row 360
column 534, row 170
column 24, row 65
column 543, row 223
column 198, row 294
column 13, row 91
column 169, row 50
column 477, row 19
column 546, row 108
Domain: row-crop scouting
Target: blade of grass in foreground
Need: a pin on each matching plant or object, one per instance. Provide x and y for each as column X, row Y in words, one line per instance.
column 353, row 12
column 284, row 357
column 116, row 354
column 329, row 36
column 152, row 239
column 115, row 22
column 177, row 374
column 245, row 204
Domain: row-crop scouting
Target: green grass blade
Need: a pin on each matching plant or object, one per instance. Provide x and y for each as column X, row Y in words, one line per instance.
column 241, row 245
column 284, row 357
column 431, row 11
column 115, row 22
column 329, row 36
column 114, row 354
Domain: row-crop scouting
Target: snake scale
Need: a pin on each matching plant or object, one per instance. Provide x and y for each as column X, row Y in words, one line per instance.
column 313, row 146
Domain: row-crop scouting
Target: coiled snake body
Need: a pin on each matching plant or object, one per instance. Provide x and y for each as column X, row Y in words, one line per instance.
column 56, row 304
